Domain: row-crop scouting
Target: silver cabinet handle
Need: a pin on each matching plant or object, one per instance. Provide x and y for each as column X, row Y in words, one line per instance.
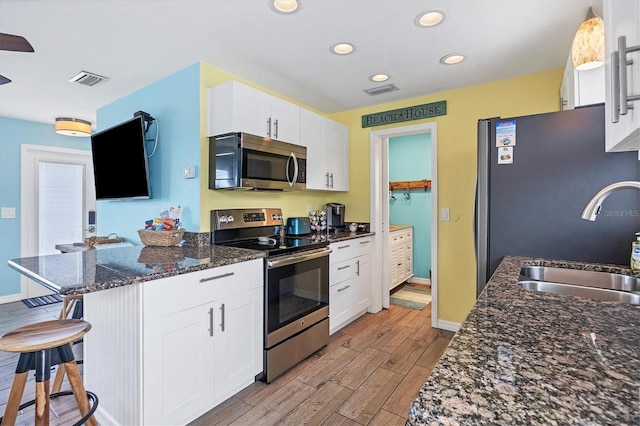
column 275, row 126
column 615, row 88
column 222, row 317
column 344, row 267
column 365, row 242
column 269, row 126
column 211, row 322
column 358, row 267
column 621, row 67
column 347, row 246
column 228, row 274
column 344, row 288
column 331, row 180
column 327, row 176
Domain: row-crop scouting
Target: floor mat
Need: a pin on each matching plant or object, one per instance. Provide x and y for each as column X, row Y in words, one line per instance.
column 411, row 297
column 42, row 300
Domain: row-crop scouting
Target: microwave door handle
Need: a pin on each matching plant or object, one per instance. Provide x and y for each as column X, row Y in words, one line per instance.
column 295, row 169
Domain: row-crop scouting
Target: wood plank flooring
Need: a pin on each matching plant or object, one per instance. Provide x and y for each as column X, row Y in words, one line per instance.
column 368, row 374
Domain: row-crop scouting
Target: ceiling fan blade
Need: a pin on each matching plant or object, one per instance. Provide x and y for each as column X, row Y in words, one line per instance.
column 4, row 80
column 15, row 43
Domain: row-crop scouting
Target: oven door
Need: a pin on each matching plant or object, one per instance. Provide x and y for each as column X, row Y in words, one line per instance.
column 297, row 293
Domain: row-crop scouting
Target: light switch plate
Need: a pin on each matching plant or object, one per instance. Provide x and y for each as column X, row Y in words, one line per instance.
column 444, row 214
column 8, row 213
column 189, row 172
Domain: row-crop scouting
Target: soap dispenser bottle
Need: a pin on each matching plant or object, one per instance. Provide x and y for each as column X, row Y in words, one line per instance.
column 635, row 254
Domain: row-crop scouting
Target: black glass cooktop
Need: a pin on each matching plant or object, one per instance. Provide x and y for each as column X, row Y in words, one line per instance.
column 274, row 246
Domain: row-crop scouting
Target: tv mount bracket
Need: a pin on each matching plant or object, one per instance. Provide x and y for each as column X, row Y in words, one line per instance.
column 146, row 117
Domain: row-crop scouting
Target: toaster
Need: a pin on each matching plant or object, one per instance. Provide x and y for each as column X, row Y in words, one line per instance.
column 298, row 226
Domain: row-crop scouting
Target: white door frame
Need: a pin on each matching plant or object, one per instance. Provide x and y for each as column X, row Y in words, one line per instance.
column 379, row 211
column 30, row 156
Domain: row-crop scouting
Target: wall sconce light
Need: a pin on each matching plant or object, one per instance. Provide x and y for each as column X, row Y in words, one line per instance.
column 587, row 51
column 73, row 127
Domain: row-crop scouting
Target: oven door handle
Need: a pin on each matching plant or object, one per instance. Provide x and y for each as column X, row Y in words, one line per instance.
column 297, row 258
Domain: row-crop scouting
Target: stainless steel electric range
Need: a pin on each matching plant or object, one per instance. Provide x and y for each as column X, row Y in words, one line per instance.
column 296, row 283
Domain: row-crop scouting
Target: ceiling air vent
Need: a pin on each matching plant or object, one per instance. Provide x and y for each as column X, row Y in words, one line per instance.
column 87, row 78
column 381, row 89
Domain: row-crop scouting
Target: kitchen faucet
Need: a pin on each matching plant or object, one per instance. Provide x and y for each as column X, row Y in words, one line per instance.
column 592, row 208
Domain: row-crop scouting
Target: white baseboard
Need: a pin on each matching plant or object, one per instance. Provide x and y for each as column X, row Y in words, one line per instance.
column 448, row 325
column 418, row 280
column 10, row 298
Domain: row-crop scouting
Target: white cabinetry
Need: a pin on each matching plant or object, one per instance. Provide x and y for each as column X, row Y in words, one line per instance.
column 580, row 88
column 349, row 281
column 196, row 339
column 236, row 107
column 401, row 256
column 621, row 19
column 327, row 143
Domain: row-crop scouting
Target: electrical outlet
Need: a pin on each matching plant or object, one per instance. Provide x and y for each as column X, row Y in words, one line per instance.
column 8, row 213
column 444, row 214
column 189, row 172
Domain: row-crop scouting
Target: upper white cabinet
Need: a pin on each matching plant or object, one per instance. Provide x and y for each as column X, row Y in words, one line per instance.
column 236, row 107
column 327, row 143
column 580, row 88
column 621, row 23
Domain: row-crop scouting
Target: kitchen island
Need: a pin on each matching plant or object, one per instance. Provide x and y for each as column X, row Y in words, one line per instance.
column 527, row 357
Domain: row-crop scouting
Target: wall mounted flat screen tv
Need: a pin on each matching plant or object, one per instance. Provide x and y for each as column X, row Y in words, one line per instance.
column 120, row 163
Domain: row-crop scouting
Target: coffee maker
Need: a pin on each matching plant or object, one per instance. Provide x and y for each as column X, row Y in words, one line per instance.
column 335, row 216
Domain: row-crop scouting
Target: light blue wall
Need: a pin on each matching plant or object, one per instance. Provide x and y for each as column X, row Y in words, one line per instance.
column 174, row 102
column 410, row 159
column 14, row 133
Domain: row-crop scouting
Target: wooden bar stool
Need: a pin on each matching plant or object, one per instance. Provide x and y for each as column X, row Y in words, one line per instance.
column 41, row 345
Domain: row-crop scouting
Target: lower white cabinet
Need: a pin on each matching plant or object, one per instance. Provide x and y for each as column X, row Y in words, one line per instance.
column 349, row 281
column 184, row 344
column 401, row 256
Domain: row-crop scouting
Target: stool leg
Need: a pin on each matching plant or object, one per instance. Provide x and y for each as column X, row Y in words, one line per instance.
column 77, row 387
column 43, row 373
column 15, row 396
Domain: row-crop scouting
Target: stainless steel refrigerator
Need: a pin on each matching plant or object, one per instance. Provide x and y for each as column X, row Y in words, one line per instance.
column 535, row 175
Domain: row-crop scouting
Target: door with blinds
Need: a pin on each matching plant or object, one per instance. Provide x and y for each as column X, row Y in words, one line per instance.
column 57, row 203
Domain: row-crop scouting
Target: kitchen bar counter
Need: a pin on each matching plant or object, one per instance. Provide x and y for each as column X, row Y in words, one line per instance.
column 95, row 270
column 527, row 357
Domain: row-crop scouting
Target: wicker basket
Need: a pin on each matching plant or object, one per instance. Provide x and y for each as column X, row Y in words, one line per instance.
column 91, row 242
column 161, row 238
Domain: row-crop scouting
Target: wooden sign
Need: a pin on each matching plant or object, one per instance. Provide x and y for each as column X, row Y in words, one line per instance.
column 417, row 112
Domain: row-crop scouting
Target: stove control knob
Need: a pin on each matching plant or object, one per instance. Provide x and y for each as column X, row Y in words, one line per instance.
column 229, row 219
column 223, row 219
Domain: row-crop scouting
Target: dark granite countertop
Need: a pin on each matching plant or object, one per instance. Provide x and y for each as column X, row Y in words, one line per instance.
column 95, row 270
column 527, row 357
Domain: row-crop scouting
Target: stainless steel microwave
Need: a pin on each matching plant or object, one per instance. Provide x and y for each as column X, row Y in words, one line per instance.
column 243, row 161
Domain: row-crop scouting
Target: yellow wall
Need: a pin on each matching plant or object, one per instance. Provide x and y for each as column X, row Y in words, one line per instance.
column 457, row 131
column 456, row 149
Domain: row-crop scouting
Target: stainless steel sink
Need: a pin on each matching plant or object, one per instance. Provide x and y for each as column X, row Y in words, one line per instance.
column 581, row 291
column 602, row 280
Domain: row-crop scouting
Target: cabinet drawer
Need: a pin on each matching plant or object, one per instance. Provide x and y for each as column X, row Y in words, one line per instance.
column 173, row 294
column 362, row 246
column 339, row 272
column 342, row 251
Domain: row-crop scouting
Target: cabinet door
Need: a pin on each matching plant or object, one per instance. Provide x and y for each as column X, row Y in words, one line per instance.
column 621, row 19
column 236, row 107
column 178, row 365
column 311, row 125
column 285, row 121
column 238, row 321
column 362, row 293
column 336, row 138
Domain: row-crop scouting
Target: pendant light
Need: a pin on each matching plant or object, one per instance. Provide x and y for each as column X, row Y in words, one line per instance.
column 587, row 51
column 73, row 127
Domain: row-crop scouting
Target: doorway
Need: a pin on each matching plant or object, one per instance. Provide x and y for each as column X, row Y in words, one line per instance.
column 58, row 203
column 379, row 210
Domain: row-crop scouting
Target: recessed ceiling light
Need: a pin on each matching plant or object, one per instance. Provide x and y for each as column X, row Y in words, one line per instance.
column 454, row 58
column 379, row 77
column 342, row 48
column 430, row 18
column 285, row 6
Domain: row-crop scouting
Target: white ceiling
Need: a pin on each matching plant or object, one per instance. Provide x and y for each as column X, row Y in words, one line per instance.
column 137, row 42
